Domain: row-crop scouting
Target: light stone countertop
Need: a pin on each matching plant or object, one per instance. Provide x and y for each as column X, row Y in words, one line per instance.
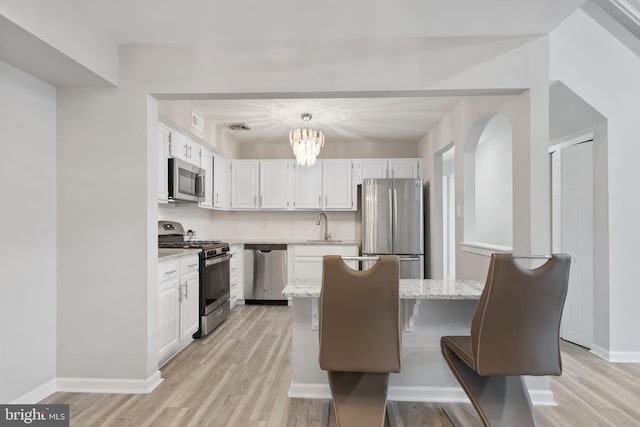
column 410, row 289
column 291, row 242
column 165, row 254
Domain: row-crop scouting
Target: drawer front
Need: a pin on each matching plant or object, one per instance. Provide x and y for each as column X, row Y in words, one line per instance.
column 190, row 263
column 320, row 250
column 168, row 270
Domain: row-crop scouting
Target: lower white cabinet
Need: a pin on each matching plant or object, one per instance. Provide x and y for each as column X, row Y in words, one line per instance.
column 178, row 304
column 306, row 260
column 236, row 275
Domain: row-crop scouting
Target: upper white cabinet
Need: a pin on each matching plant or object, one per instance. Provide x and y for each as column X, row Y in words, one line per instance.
column 336, row 185
column 244, row 184
column 308, row 186
column 183, row 148
column 163, row 154
column 220, row 182
column 405, row 168
column 276, row 184
column 386, row 168
column 207, row 165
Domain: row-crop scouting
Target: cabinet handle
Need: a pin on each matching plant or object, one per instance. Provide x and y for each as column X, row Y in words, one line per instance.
column 180, row 293
column 325, row 201
column 166, row 273
column 261, row 201
column 254, row 200
column 186, row 290
column 319, row 200
column 192, row 265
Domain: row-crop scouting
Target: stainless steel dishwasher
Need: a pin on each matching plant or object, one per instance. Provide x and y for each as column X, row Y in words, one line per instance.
column 265, row 273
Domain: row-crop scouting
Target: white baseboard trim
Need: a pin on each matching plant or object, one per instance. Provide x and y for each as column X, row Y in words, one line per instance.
column 412, row 394
column 109, row 385
column 37, row 394
column 616, row 356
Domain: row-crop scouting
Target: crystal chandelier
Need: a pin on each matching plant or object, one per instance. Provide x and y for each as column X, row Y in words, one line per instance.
column 306, row 143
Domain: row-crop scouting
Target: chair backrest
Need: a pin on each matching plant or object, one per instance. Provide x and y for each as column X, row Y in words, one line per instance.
column 516, row 326
column 359, row 324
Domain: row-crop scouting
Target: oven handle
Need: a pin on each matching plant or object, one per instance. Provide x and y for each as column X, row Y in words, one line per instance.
column 212, row 261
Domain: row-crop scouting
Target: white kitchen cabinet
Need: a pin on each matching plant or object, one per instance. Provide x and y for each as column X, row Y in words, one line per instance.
column 276, row 183
column 336, row 185
column 189, row 305
column 236, row 274
column 307, row 259
column 220, row 182
column 405, row 168
column 369, row 168
column 245, row 184
column 207, row 165
column 178, row 304
column 183, row 148
column 308, row 186
column 163, row 155
column 168, row 308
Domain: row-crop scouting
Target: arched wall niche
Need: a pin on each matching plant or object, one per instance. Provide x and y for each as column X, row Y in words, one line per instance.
column 488, row 183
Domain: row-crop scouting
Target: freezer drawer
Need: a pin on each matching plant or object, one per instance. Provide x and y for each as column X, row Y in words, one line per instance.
column 265, row 273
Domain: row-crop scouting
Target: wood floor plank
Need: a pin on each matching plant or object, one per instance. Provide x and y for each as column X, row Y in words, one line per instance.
column 239, row 376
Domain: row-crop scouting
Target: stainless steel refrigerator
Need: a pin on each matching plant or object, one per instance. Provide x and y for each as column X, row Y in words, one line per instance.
column 390, row 222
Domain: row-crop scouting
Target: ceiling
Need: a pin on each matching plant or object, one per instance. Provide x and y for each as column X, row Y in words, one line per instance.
column 149, row 21
column 341, row 119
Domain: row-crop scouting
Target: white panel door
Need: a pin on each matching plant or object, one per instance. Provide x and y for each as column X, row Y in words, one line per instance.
column 220, row 182
column 163, row 155
column 308, row 186
column 404, row 168
column 244, row 184
column 374, row 169
column 337, row 188
column 577, row 241
column 190, row 306
column 168, row 317
column 207, row 165
column 276, row 181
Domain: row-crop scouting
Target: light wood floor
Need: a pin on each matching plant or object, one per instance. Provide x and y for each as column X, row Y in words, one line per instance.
column 239, row 376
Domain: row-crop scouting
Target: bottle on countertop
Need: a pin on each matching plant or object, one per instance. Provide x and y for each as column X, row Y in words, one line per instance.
column 191, row 235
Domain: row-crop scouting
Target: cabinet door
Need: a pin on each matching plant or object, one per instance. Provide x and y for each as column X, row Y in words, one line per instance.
column 177, row 145
column 338, row 191
column 220, row 182
column 163, row 155
column 405, row 168
column 373, row 169
column 244, row 184
column 276, row 178
column 207, row 165
column 308, row 186
column 189, row 307
column 168, row 317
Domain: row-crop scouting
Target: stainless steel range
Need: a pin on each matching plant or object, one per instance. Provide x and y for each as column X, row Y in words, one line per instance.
column 214, row 273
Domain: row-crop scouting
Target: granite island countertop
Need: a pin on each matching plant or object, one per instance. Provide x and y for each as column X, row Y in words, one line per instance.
column 165, row 254
column 410, row 289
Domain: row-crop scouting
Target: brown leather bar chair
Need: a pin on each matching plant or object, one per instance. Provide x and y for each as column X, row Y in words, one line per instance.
column 359, row 337
column 515, row 331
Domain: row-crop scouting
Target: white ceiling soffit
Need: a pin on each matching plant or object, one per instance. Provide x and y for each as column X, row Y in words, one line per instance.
column 620, row 17
column 156, row 21
column 393, row 119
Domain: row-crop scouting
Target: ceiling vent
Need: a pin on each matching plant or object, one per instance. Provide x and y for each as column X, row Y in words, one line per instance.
column 237, row 126
column 197, row 122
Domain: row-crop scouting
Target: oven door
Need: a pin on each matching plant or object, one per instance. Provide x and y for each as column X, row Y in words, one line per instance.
column 186, row 181
column 214, row 279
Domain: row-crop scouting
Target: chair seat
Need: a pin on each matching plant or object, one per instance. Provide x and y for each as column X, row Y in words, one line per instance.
column 461, row 346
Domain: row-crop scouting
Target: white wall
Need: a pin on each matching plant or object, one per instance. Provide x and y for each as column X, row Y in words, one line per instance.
column 28, row 250
column 574, row 45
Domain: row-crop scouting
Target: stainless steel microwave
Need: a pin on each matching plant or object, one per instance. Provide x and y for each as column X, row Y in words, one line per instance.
column 186, row 181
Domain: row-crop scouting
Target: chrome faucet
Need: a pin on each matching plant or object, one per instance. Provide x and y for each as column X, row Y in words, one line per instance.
column 326, row 235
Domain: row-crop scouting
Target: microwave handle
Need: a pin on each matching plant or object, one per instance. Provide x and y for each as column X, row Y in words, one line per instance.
column 200, row 185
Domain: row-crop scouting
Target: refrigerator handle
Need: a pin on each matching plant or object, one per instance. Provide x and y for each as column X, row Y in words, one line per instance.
column 392, row 220
column 395, row 219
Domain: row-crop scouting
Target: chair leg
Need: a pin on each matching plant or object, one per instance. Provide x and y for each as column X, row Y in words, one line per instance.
column 500, row 400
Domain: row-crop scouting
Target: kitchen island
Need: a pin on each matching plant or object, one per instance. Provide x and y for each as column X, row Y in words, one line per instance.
column 429, row 309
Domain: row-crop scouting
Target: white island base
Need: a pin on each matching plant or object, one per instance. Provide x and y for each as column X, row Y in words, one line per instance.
column 430, row 309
